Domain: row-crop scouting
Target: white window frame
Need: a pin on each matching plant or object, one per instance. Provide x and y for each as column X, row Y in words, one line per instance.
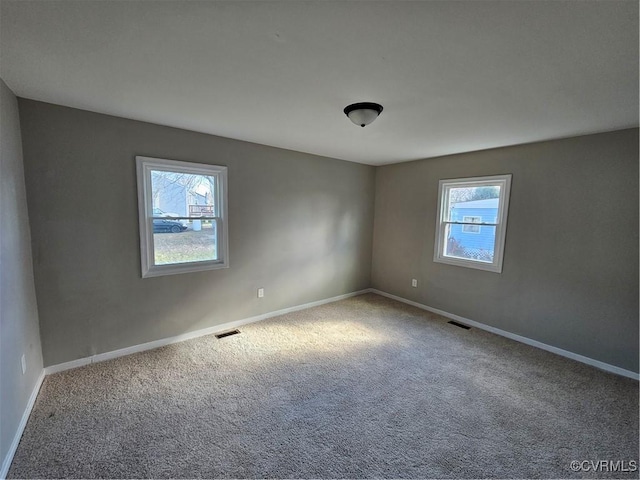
column 477, row 224
column 144, row 166
column 504, row 181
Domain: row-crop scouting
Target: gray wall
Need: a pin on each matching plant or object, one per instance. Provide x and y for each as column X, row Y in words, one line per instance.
column 19, row 332
column 570, row 275
column 299, row 225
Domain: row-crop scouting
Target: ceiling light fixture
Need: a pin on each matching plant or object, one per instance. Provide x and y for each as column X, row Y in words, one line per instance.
column 363, row 113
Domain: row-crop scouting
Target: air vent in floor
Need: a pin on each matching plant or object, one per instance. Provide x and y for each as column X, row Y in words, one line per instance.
column 227, row 334
column 466, row 327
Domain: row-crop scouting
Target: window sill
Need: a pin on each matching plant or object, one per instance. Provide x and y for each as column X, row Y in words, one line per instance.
column 459, row 262
column 174, row 269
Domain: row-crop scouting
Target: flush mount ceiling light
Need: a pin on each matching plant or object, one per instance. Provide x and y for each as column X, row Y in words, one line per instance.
column 363, row 113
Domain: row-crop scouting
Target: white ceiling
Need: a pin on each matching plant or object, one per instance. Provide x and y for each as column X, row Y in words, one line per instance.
column 452, row 76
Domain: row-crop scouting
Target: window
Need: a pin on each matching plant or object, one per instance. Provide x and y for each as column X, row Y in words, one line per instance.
column 182, row 210
column 471, row 228
column 462, row 237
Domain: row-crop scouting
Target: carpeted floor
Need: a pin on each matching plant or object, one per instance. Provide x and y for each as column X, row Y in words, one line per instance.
column 365, row 387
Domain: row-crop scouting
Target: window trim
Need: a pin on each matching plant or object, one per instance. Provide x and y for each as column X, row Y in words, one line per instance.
column 504, row 181
column 144, row 165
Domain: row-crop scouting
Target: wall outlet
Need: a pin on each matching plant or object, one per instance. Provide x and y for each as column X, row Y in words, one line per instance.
column 414, row 282
column 260, row 292
column 23, row 362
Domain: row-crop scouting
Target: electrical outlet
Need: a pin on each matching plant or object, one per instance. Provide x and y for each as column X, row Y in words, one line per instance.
column 260, row 292
column 23, row 362
column 414, row 282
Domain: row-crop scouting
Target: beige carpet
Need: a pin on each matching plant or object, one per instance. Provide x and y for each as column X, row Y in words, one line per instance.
column 366, row 387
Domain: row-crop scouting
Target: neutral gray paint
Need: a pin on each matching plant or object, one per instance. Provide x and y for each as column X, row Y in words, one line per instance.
column 299, row 225
column 570, row 276
column 19, row 332
column 452, row 76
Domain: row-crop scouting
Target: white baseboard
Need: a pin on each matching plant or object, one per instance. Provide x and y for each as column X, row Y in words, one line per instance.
column 518, row 338
column 238, row 323
column 23, row 423
column 100, row 357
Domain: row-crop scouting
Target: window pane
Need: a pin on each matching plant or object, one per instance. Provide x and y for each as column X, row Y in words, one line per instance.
column 468, row 194
column 176, row 194
column 470, row 245
column 183, row 242
column 472, row 202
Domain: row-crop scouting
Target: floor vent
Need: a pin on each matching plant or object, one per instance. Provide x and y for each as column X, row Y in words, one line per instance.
column 466, row 327
column 227, row 334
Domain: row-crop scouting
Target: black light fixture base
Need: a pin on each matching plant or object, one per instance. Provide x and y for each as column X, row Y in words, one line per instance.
column 362, row 106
